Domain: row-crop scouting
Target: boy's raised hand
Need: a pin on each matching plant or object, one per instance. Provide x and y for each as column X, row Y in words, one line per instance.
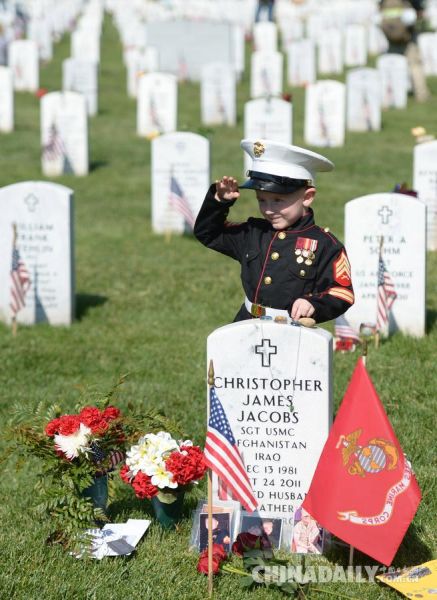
column 226, row 189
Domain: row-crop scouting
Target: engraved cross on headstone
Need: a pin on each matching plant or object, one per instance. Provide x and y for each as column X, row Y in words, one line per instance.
column 31, row 200
column 385, row 213
column 266, row 350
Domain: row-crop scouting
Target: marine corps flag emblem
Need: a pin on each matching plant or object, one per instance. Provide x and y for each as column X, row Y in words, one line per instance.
column 364, row 490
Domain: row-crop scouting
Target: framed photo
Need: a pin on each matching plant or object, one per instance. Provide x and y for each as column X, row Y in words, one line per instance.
column 307, row 535
column 269, row 528
column 221, row 530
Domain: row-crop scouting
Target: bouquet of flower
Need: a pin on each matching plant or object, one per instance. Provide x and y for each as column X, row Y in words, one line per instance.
column 76, row 452
column 160, row 466
column 93, row 434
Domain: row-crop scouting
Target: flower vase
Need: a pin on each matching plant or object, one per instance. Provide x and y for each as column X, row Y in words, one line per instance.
column 98, row 492
column 168, row 508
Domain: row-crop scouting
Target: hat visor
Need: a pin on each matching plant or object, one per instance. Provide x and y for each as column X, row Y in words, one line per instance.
column 270, row 186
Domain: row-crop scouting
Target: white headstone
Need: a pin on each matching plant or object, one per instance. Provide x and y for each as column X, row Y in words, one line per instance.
column 64, row 134
column 274, row 383
column 387, row 215
column 180, row 180
column 81, row 76
column 301, row 63
column 425, row 183
column 268, row 119
column 185, row 46
column 355, row 46
column 292, row 30
column 218, row 94
column 85, row 44
column 23, row 61
column 6, row 100
column 266, row 74
column 325, row 114
column 238, row 49
column 427, row 43
column 43, row 215
column 156, row 104
column 377, row 43
column 40, row 32
column 394, row 80
column 265, row 36
column 330, row 52
column 363, row 87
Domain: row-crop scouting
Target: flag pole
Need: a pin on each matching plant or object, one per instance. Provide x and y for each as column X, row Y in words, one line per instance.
column 210, row 542
column 14, row 242
column 381, row 243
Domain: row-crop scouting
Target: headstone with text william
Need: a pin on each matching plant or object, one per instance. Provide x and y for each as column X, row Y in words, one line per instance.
column 274, row 382
column 301, row 65
column 43, row 215
column 218, row 94
column 387, row 215
column 268, row 119
column 425, row 184
column 393, row 69
column 180, row 180
column 24, row 63
column 64, row 134
column 81, row 75
column 324, row 124
column 363, row 89
column 156, row 104
column 266, row 74
column 6, row 100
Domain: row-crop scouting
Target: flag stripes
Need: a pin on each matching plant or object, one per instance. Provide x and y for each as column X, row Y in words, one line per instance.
column 20, row 282
column 223, row 457
column 180, row 203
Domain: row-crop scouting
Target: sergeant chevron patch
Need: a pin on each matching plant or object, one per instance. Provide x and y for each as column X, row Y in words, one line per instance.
column 342, row 293
column 342, row 270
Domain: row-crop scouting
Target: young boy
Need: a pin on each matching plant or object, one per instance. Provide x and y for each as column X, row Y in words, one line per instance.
column 289, row 266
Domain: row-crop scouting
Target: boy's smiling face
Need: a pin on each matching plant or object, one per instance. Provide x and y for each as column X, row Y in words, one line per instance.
column 283, row 210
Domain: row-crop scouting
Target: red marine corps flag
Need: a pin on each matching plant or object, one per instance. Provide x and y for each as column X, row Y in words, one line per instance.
column 364, row 490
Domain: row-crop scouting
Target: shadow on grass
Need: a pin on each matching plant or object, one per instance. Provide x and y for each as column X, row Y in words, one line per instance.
column 431, row 318
column 411, row 552
column 86, row 301
column 98, row 164
column 129, row 503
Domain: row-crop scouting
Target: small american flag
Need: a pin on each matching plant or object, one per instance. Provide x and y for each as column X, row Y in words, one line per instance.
column 20, row 281
column 265, row 79
column 180, row 203
column 386, row 295
column 154, row 116
column 55, row 147
column 222, row 455
column 344, row 330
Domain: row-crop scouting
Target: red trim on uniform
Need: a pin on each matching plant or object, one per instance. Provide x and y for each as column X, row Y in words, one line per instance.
column 299, row 230
column 333, row 240
column 264, row 267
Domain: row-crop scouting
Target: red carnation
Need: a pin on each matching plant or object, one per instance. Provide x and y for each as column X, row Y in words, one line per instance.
column 218, row 556
column 143, row 487
column 186, row 465
column 52, row 427
column 111, row 413
column 68, row 424
column 93, row 418
column 124, row 474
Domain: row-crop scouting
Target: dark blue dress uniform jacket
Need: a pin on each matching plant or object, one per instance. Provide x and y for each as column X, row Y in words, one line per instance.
column 270, row 273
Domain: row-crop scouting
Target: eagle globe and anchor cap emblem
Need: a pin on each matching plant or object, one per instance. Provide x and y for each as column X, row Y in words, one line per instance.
column 258, row 149
column 377, row 455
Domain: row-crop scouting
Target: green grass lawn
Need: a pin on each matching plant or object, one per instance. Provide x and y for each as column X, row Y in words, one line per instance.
column 145, row 307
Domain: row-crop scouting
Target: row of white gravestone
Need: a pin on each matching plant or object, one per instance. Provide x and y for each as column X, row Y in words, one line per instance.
column 43, row 215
